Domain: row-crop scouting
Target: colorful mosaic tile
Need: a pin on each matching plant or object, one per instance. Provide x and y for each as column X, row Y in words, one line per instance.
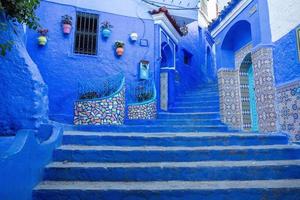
column 241, row 54
column 262, row 60
column 288, row 97
column 230, row 104
column 145, row 111
column 110, row 111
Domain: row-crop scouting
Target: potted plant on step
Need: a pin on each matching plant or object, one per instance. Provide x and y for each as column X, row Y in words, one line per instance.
column 119, row 46
column 42, row 39
column 67, row 24
column 106, row 29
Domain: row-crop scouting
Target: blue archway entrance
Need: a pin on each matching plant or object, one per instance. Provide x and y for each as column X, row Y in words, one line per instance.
column 247, row 86
column 167, row 63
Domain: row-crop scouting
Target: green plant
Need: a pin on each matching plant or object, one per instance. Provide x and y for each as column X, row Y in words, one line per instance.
column 119, row 44
column 89, row 95
column 144, row 96
column 21, row 11
column 43, row 31
column 106, row 25
column 66, row 19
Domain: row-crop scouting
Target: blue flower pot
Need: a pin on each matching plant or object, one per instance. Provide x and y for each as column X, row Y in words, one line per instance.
column 106, row 33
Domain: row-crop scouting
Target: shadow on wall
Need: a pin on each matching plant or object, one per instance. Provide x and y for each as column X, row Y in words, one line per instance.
column 23, row 93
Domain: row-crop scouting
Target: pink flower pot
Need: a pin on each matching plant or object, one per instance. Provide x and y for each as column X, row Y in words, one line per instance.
column 67, row 28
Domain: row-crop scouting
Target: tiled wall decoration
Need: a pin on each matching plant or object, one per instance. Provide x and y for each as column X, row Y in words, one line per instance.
column 241, row 54
column 110, row 111
column 262, row 60
column 146, row 111
column 288, row 99
column 230, row 104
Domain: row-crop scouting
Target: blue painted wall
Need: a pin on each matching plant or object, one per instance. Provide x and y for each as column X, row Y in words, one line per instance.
column 286, row 59
column 192, row 74
column 62, row 69
column 236, row 34
column 23, row 93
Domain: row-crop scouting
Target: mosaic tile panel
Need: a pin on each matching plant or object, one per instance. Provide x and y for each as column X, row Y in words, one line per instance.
column 264, row 88
column 241, row 54
column 288, row 99
column 110, row 111
column 145, row 111
column 230, row 104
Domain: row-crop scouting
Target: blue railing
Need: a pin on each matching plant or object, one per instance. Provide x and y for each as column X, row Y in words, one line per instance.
column 100, row 88
column 141, row 92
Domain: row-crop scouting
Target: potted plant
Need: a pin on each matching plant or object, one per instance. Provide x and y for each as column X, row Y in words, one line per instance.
column 42, row 39
column 106, row 29
column 119, row 46
column 66, row 21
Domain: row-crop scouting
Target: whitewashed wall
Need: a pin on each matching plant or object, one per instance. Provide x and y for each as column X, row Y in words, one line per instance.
column 284, row 16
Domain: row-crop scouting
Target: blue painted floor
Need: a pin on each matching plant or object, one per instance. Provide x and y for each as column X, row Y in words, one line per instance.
column 187, row 154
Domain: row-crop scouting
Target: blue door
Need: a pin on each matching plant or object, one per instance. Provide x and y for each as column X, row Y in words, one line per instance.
column 254, row 118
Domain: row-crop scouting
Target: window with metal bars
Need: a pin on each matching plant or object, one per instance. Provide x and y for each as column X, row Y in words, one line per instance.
column 86, row 35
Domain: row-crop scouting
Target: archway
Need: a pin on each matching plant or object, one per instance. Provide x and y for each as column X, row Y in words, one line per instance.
column 248, row 99
column 167, row 62
column 238, row 36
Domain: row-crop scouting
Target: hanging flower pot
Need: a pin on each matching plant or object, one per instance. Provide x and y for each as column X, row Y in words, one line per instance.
column 106, row 29
column 134, row 37
column 119, row 46
column 67, row 24
column 106, row 33
column 42, row 39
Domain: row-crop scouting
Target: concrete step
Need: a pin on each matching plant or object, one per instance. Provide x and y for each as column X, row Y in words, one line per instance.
column 196, row 98
column 200, row 103
column 171, row 139
column 288, row 189
column 84, row 153
column 201, row 93
column 176, row 122
column 150, row 128
column 180, row 109
column 170, row 171
column 189, row 115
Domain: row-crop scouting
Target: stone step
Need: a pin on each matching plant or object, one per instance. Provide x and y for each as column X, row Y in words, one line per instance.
column 176, row 122
column 170, row 171
column 180, row 109
column 200, row 103
column 150, row 128
column 201, row 93
column 196, row 98
column 172, row 139
column 288, row 189
column 84, row 153
column 189, row 115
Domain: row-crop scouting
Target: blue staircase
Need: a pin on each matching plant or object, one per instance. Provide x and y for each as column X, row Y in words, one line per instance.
column 186, row 154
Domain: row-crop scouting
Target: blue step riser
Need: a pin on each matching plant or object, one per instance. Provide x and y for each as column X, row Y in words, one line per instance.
column 187, row 116
column 175, row 156
column 178, row 141
column 179, row 110
column 200, row 95
column 212, row 104
column 169, row 174
column 232, row 194
column 195, row 99
column 152, row 129
column 178, row 122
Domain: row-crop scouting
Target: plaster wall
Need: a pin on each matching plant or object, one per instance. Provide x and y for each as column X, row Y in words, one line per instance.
column 192, row 74
column 62, row 69
column 23, row 93
column 284, row 16
column 286, row 58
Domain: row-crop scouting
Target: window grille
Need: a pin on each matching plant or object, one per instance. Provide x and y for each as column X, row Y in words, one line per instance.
column 86, row 35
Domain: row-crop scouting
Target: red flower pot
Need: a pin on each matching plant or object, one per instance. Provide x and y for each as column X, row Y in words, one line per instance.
column 120, row 51
column 67, row 28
